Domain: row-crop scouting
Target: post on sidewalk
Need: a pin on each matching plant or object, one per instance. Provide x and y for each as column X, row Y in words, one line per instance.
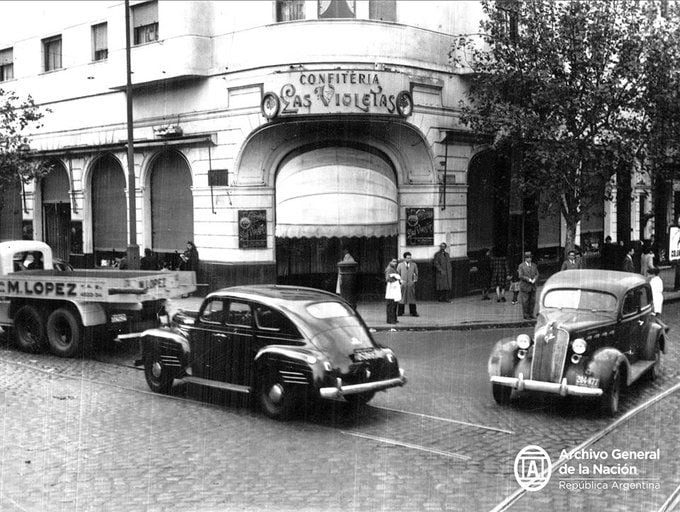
column 347, row 273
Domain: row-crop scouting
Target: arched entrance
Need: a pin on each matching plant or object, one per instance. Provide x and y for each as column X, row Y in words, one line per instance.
column 172, row 204
column 109, row 209
column 331, row 196
column 56, row 210
column 10, row 211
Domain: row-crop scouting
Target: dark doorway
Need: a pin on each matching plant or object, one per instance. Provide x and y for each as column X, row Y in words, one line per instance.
column 109, row 210
column 312, row 262
column 10, row 212
column 57, row 228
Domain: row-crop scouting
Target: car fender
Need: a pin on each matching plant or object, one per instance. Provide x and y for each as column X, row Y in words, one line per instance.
column 283, row 354
column 655, row 332
column 153, row 339
column 604, row 363
column 503, row 358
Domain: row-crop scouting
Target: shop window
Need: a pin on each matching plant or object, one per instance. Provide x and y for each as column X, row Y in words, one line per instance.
column 6, row 64
column 100, row 45
column 51, row 53
column 145, row 22
column 383, row 10
column 290, row 10
column 336, row 9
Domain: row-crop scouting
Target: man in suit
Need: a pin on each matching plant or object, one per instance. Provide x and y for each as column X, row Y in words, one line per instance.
column 628, row 265
column 571, row 263
column 528, row 278
column 408, row 270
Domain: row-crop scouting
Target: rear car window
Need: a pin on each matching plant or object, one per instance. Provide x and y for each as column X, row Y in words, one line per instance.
column 326, row 310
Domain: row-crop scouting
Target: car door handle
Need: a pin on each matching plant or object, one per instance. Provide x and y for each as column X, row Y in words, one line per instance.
column 219, row 335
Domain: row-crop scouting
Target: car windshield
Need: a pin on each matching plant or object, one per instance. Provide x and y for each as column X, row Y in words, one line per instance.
column 589, row 300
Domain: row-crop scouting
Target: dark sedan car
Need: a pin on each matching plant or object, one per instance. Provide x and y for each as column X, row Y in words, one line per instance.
column 595, row 335
column 281, row 343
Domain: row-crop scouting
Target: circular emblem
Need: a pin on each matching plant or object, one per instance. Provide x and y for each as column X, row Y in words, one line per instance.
column 404, row 104
column 533, row 468
column 412, row 220
column 270, row 105
column 245, row 223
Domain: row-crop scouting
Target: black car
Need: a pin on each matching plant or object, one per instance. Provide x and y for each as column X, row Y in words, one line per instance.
column 283, row 344
column 595, row 335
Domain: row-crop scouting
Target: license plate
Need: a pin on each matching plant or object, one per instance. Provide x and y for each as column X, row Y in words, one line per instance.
column 589, row 382
column 365, row 354
column 119, row 317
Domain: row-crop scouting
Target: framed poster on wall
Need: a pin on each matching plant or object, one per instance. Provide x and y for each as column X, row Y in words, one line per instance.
column 419, row 226
column 252, row 229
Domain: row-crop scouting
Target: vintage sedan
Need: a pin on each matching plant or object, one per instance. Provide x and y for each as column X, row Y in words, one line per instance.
column 282, row 344
column 595, row 335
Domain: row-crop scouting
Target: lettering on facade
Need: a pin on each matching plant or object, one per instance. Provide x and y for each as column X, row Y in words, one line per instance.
column 419, row 226
column 336, row 92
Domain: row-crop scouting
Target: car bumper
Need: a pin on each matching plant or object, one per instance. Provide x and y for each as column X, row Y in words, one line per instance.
column 366, row 387
column 562, row 388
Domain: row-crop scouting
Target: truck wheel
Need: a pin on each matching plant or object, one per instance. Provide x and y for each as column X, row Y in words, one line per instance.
column 611, row 397
column 501, row 394
column 29, row 329
column 276, row 399
column 157, row 376
column 64, row 333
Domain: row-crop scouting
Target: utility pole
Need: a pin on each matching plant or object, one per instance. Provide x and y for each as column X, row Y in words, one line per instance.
column 133, row 248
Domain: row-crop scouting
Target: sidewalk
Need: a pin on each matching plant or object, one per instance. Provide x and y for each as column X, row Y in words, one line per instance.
column 461, row 313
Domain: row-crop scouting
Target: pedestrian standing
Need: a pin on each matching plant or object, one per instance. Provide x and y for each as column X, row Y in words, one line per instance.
column 148, row 261
column 646, row 260
column 514, row 286
column 499, row 274
column 392, row 291
column 528, row 277
column 484, row 269
column 189, row 258
column 657, row 290
column 408, row 271
column 628, row 265
column 571, row 263
column 443, row 274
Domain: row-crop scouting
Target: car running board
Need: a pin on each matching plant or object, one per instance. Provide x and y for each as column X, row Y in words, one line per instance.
column 637, row 369
column 216, row 384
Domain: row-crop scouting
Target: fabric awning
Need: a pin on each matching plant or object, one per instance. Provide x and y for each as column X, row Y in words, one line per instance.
column 336, row 192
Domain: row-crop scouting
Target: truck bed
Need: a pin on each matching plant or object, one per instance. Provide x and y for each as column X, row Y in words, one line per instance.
column 115, row 286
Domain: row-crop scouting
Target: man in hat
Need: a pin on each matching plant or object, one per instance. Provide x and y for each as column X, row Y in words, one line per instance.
column 528, row 277
column 443, row 277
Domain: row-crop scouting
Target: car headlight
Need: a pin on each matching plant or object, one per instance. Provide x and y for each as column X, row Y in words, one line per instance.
column 579, row 346
column 523, row 341
column 310, row 359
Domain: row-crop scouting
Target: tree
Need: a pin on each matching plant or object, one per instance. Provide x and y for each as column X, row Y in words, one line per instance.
column 558, row 87
column 17, row 116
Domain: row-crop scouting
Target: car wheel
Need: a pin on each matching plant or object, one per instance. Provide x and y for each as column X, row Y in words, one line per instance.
column 64, row 333
column 501, row 394
column 275, row 397
column 360, row 399
column 158, row 377
column 29, row 329
column 611, row 397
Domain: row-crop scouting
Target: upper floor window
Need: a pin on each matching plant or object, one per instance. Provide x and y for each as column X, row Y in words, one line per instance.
column 145, row 22
column 100, row 44
column 509, row 10
column 51, row 53
column 6, row 64
column 336, row 9
column 384, row 10
column 290, row 10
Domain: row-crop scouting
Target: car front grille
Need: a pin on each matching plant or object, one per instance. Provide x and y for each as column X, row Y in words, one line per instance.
column 550, row 352
column 293, row 377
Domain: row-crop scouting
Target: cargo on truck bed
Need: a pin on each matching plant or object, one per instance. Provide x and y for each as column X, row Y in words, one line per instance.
column 65, row 310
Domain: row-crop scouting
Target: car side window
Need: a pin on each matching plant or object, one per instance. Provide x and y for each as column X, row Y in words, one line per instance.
column 269, row 319
column 631, row 302
column 240, row 314
column 213, row 312
column 644, row 297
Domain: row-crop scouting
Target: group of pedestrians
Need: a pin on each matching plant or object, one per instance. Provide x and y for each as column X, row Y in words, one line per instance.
column 401, row 278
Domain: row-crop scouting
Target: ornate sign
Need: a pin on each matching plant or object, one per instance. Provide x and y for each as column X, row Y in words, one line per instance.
column 252, row 229
column 419, row 226
column 674, row 243
column 337, row 91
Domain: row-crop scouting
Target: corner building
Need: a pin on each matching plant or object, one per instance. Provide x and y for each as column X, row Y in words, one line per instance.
column 270, row 133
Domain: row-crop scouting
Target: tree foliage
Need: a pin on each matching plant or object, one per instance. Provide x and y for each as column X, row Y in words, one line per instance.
column 559, row 86
column 17, row 117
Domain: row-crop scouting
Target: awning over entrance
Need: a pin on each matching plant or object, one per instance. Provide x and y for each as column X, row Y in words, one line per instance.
column 336, row 192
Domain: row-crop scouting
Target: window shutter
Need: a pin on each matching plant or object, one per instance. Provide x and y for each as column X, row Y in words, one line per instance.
column 145, row 14
column 6, row 56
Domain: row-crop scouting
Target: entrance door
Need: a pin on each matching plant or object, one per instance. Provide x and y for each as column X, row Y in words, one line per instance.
column 57, row 228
